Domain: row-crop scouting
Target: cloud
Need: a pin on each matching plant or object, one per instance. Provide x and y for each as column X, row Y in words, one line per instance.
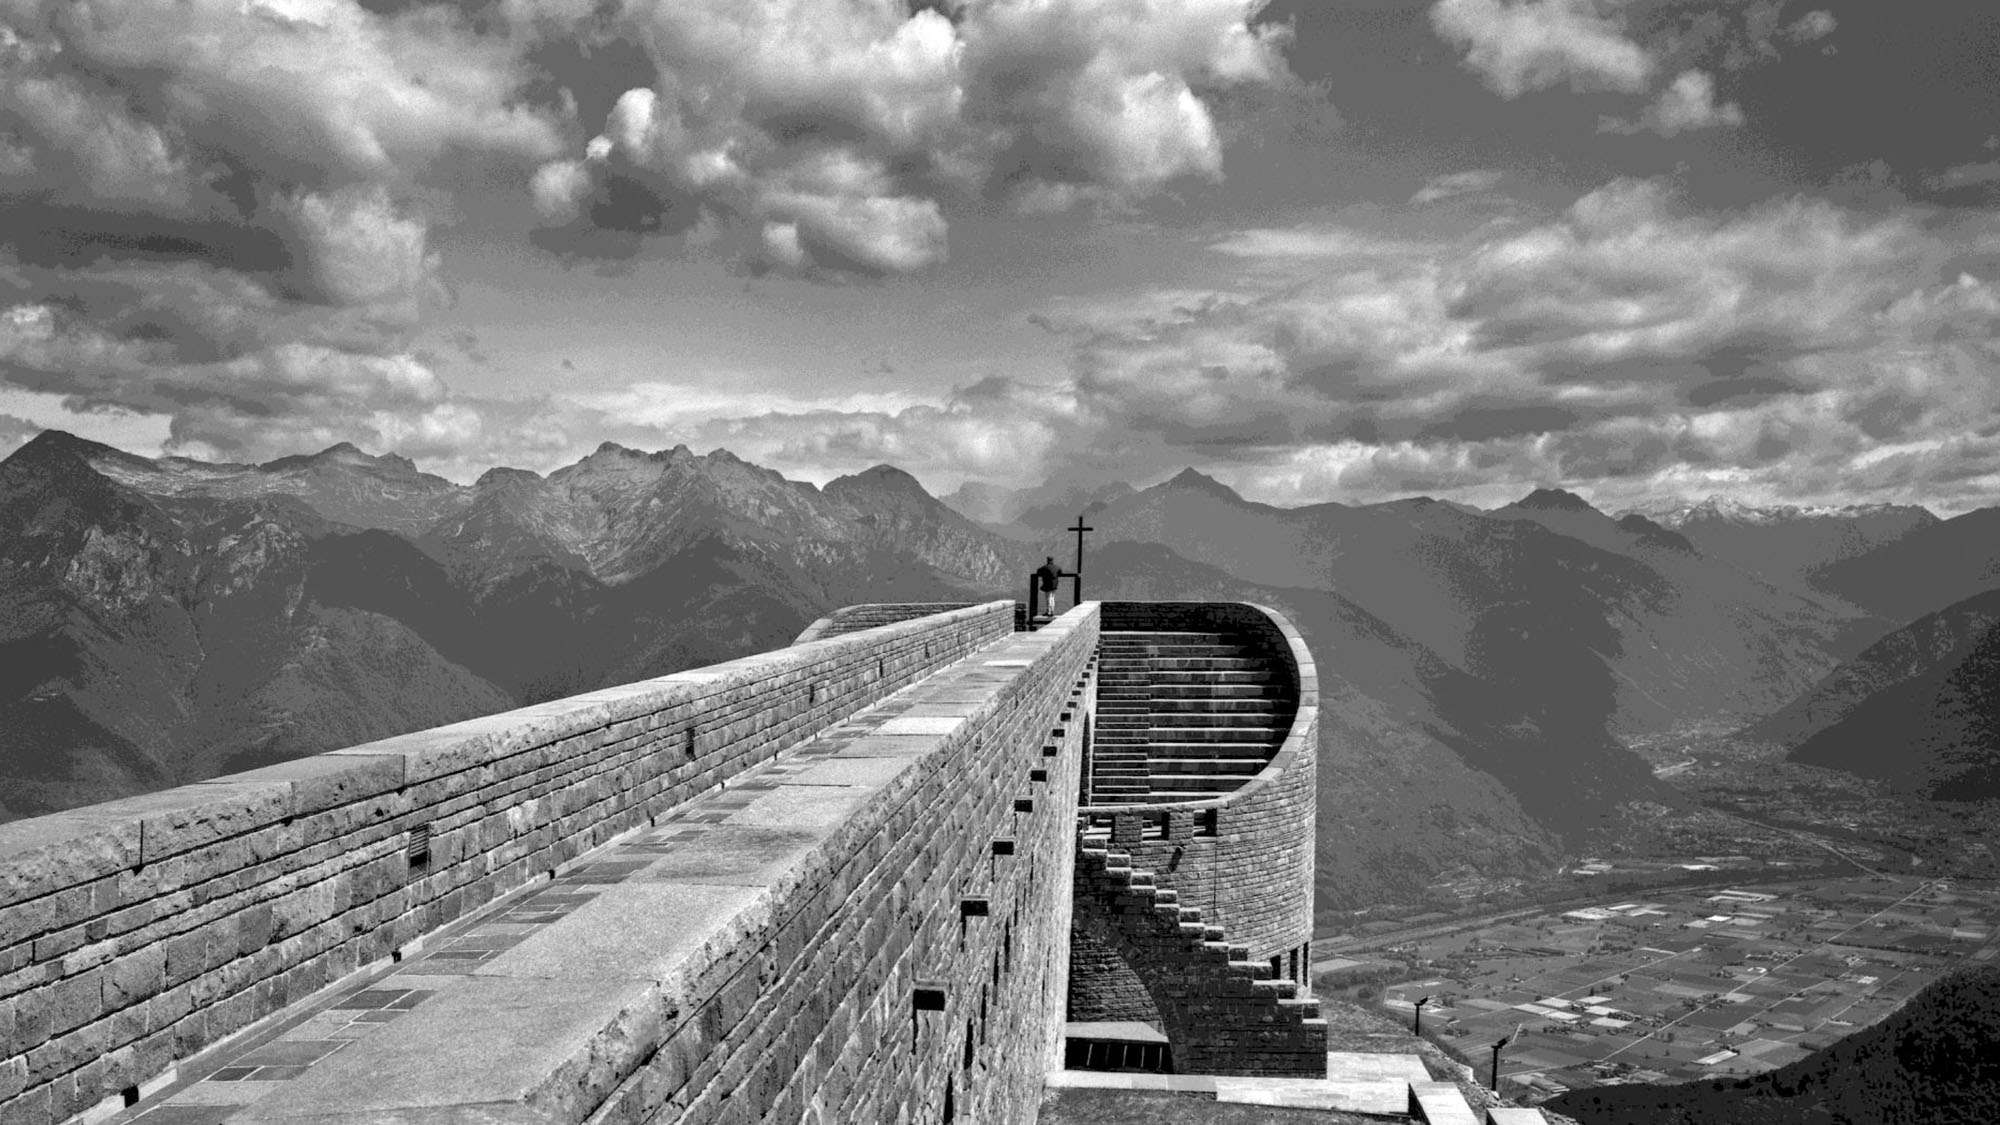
column 1688, row 103
column 828, row 139
column 15, row 433
column 1626, row 344
column 1456, row 184
column 1811, row 26
column 221, row 213
column 304, row 91
column 355, row 248
column 1521, row 45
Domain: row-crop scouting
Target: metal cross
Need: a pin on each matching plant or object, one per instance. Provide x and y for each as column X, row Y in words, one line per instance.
column 1076, row 576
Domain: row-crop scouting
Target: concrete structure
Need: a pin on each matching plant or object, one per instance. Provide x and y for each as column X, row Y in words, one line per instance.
column 829, row 883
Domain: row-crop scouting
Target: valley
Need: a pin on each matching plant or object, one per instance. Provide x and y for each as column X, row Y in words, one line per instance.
column 1688, row 984
column 1784, row 908
column 1705, row 768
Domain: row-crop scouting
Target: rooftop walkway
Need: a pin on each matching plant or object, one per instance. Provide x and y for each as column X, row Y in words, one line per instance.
column 524, row 1011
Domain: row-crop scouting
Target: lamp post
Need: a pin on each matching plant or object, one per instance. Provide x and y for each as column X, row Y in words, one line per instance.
column 1417, row 1017
column 1501, row 1042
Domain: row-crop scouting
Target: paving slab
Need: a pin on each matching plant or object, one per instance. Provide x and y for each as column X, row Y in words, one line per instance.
column 844, row 770
column 741, row 854
column 1439, row 1103
column 490, row 1041
column 816, row 807
column 636, row 931
column 932, row 725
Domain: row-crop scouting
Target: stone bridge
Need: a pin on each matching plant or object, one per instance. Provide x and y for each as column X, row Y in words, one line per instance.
column 830, row 883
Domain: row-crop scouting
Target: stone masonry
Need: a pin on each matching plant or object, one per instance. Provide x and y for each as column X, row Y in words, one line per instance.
column 1245, row 859
column 135, row 933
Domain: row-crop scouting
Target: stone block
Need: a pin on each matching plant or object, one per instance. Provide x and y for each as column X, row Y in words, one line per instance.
column 325, row 781
column 43, row 855
column 254, row 926
column 75, row 1001
column 135, row 976
column 179, row 820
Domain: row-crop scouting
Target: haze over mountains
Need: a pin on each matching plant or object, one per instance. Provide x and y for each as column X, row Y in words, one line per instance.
column 167, row 620
column 164, row 621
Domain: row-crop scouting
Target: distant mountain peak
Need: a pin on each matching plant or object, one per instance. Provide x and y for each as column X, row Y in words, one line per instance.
column 55, row 442
column 500, row 475
column 1194, row 479
column 879, row 480
column 341, row 453
column 1553, row 500
column 1717, row 508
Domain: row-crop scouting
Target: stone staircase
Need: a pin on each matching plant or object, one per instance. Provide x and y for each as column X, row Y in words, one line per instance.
column 1225, row 1013
column 1184, row 716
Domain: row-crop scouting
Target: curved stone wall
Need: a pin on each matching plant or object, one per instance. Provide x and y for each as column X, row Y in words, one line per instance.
column 1245, row 859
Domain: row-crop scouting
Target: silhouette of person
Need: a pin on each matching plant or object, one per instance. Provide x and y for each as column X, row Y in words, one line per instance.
column 1045, row 577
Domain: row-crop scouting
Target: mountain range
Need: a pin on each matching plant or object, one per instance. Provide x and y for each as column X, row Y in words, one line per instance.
column 164, row 620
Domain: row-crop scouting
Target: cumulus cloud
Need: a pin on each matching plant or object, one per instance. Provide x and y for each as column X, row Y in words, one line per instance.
column 828, row 138
column 1813, row 25
column 221, row 212
column 1688, row 103
column 15, row 432
column 1455, row 184
column 1792, row 350
column 298, row 89
column 1521, row 45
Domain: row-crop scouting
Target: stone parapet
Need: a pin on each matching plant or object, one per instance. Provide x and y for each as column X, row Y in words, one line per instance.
column 137, row 932
column 850, row 943
column 854, row 618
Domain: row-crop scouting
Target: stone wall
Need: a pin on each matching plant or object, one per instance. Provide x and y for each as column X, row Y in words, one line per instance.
column 136, row 932
column 854, row 618
column 926, row 982
column 862, row 932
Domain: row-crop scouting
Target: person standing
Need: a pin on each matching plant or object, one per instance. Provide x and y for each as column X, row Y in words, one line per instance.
column 1045, row 578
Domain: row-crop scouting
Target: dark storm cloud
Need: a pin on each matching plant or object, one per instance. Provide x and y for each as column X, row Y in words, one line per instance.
column 66, row 235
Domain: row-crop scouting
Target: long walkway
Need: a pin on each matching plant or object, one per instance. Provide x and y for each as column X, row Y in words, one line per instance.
column 229, row 1081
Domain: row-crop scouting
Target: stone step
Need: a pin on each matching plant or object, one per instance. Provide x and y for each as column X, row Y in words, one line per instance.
column 1264, row 719
column 1245, row 733
column 1179, row 768
column 1253, row 689
column 1168, row 678
column 1200, row 705
column 1439, row 1103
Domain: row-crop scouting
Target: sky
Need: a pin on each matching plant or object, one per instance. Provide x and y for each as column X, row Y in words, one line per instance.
column 1342, row 250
